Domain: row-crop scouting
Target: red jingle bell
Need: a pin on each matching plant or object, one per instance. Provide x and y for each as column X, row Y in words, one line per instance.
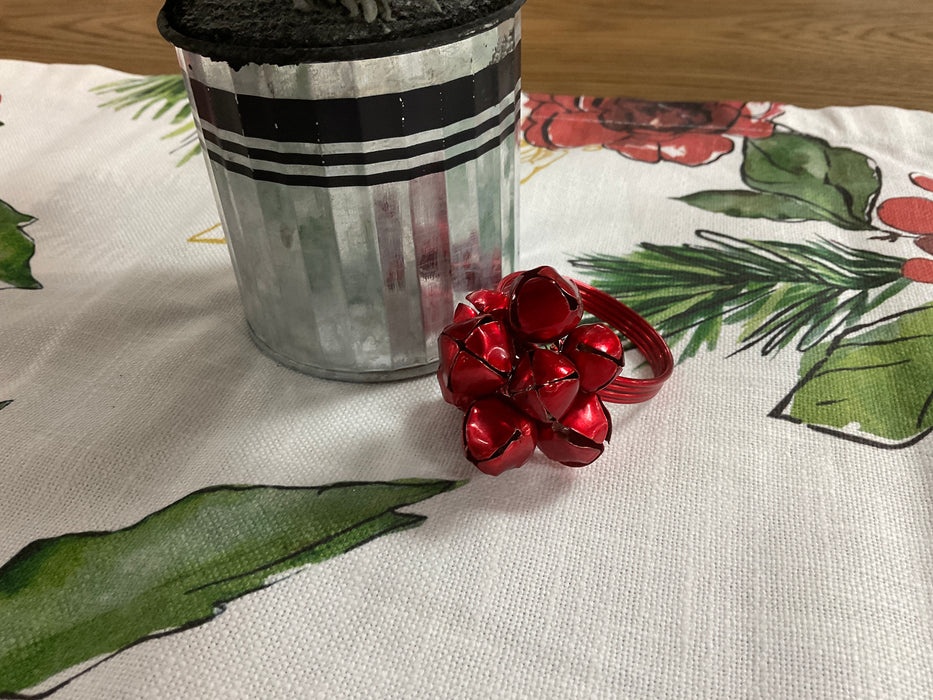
column 527, row 375
column 488, row 301
column 544, row 384
column 506, row 283
column 476, row 358
column 543, row 306
column 589, row 417
column 577, row 440
column 497, row 436
column 464, row 312
column 597, row 354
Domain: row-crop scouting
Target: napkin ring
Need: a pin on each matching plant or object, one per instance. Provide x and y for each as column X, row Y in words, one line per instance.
column 528, row 374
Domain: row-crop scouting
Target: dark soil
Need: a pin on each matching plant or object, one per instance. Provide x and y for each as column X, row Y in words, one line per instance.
column 239, row 30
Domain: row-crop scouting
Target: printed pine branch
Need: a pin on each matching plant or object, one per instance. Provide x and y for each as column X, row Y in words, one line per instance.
column 149, row 91
column 777, row 291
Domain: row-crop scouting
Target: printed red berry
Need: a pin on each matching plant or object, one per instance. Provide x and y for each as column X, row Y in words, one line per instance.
column 544, row 384
column 911, row 214
column 497, row 436
column 597, row 354
column 543, row 306
column 918, row 270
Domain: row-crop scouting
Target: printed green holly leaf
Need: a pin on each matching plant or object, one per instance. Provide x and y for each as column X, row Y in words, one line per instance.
column 753, row 205
column 796, row 177
column 840, row 183
column 16, row 249
column 80, row 598
column 873, row 381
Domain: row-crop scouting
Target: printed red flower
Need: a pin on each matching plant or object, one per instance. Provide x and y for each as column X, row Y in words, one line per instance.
column 689, row 133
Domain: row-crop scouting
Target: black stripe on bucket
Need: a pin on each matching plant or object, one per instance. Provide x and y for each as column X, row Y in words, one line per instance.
column 365, row 179
column 368, row 157
column 354, row 119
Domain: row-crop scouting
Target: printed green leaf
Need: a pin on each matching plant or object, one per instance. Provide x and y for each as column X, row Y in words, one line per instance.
column 776, row 291
column 839, row 184
column 753, row 205
column 795, row 177
column 873, row 381
column 76, row 599
column 4, row 404
column 16, row 249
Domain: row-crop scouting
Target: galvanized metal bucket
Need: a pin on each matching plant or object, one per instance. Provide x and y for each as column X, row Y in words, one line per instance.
column 361, row 198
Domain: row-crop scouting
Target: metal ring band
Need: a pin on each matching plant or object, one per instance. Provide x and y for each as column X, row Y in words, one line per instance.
column 642, row 334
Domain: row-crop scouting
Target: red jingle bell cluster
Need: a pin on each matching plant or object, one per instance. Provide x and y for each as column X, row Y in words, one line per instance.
column 527, row 374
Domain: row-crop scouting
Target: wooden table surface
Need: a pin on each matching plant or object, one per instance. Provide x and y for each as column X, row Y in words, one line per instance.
column 797, row 51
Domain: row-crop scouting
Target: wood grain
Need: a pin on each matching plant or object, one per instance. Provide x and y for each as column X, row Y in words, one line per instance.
column 801, row 52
